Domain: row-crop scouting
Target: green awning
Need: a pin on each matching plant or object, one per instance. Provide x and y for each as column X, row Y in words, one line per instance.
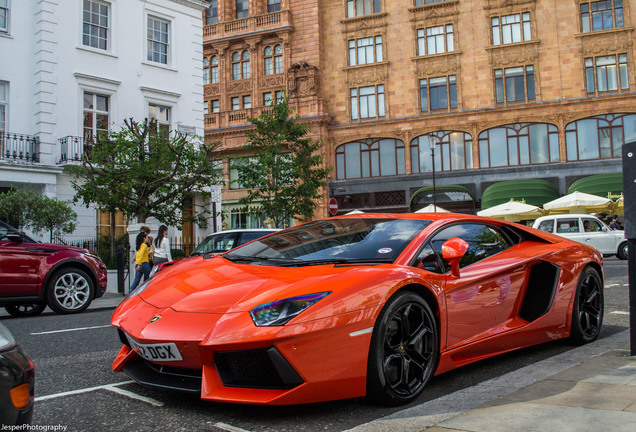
column 603, row 185
column 444, row 194
column 531, row 191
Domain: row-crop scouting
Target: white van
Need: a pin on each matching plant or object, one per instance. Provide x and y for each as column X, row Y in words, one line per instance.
column 585, row 229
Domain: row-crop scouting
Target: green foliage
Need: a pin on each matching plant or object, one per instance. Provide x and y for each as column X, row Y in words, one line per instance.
column 283, row 172
column 177, row 254
column 104, row 250
column 143, row 171
column 29, row 209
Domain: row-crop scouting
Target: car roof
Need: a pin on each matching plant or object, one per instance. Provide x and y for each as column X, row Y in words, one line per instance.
column 567, row 215
column 246, row 230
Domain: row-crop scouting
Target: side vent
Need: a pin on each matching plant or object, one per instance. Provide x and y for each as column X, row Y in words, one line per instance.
column 540, row 291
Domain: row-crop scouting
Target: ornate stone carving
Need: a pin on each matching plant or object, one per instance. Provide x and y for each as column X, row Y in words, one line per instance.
column 609, row 42
column 514, row 54
column 437, row 65
column 239, row 86
column 213, row 89
column 376, row 73
column 302, row 80
column 509, row 6
column 271, row 81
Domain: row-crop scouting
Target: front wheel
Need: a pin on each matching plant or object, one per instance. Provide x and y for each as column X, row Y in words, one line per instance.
column 587, row 312
column 25, row 309
column 622, row 251
column 70, row 291
column 404, row 350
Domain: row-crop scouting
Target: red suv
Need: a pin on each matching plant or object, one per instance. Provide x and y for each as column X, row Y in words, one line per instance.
column 34, row 275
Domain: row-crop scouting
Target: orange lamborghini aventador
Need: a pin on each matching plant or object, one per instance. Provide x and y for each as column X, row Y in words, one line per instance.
column 361, row 305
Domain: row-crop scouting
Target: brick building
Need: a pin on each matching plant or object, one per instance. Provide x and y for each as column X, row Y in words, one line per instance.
column 518, row 98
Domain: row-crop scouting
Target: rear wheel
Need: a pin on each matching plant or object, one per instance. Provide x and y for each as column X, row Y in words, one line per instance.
column 25, row 309
column 587, row 312
column 622, row 251
column 70, row 291
column 404, row 350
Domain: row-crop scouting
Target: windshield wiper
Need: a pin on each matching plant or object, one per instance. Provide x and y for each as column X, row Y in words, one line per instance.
column 345, row 261
column 251, row 258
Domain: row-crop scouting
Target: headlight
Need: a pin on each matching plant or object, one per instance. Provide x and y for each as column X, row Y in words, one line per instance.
column 93, row 255
column 6, row 340
column 280, row 312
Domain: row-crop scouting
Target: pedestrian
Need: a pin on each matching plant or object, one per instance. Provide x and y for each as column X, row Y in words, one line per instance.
column 151, row 251
column 142, row 265
column 614, row 223
column 162, row 246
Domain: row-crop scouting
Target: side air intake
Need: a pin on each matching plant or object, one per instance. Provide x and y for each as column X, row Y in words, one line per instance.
column 540, row 292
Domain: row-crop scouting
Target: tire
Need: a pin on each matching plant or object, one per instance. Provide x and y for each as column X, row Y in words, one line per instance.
column 25, row 309
column 623, row 250
column 587, row 312
column 404, row 350
column 70, row 290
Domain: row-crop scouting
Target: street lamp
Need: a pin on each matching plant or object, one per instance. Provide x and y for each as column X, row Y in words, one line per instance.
column 431, row 143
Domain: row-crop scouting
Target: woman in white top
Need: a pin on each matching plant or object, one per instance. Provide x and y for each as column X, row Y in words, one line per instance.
column 162, row 246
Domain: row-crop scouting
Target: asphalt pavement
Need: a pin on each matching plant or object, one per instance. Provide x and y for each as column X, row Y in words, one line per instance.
column 588, row 388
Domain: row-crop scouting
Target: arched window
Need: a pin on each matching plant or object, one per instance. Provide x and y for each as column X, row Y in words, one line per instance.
column 599, row 137
column 370, row 158
column 241, row 65
column 519, row 144
column 273, row 59
column 454, row 152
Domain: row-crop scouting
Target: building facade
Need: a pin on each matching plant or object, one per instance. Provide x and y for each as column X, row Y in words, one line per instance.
column 518, row 97
column 74, row 68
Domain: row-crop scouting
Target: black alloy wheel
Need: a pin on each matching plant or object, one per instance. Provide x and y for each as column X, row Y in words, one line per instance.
column 404, row 350
column 25, row 309
column 587, row 313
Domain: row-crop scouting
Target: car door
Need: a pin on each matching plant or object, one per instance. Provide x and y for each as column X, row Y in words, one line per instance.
column 598, row 236
column 481, row 302
column 570, row 228
column 19, row 266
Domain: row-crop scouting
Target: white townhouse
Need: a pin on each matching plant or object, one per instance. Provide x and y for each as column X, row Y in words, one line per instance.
column 71, row 68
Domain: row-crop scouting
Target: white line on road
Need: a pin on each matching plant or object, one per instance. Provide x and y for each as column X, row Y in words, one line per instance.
column 69, row 330
column 229, row 428
column 134, row 396
column 619, row 313
column 79, row 391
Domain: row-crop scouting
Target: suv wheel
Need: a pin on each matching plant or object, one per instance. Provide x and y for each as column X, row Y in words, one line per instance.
column 25, row 309
column 622, row 251
column 70, row 290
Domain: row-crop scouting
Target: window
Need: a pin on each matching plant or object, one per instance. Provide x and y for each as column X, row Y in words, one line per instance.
column 606, row 74
column 206, row 71
column 240, row 65
column 365, row 50
column 267, row 97
column 158, row 40
column 367, row 102
column 427, row 2
column 273, row 6
column 601, row 15
column 96, row 116
column 438, row 93
column 435, row 40
column 454, row 152
column 242, row 8
column 514, row 84
column 362, row 7
column 162, row 115
column 519, row 144
column 511, row 28
column 370, row 158
column 236, row 103
column 600, row 137
column 212, row 12
column 95, row 24
column 483, row 241
column 4, row 16
column 547, row 225
column 211, row 70
column 247, row 102
column 103, row 224
column 215, row 106
column 568, row 226
column 273, row 60
column 4, row 102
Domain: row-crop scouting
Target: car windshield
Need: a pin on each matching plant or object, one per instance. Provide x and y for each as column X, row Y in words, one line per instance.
column 216, row 243
column 333, row 241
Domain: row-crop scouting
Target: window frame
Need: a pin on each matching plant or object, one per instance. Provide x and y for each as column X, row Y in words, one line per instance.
column 448, row 152
column 426, row 89
column 243, row 12
column 240, row 66
column 4, row 105
column 6, row 15
column 273, row 61
column 368, row 7
column 95, row 112
column 273, row 6
column 107, row 29
column 518, row 145
column 375, row 48
column 368, row 158
column 379, row 102
column 212, row 13
column 163, row 122
column 592, row 70
column 447, row 38
column 151, row 44
column 503, row 89
column 587, row 21
column 524, row 25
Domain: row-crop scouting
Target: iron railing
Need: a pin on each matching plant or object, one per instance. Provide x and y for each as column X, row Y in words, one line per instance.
column 19, row 148
column 72, row 148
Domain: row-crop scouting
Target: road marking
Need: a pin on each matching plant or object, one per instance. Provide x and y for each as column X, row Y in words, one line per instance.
column 619, row 313
column 69, row 330
column 79, row 391
column 229, row 428
column 133, row 395
column 612, row 285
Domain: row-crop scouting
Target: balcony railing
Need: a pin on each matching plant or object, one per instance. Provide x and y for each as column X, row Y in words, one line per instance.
column 233, row 118
column 19, row 148
column 245, row 25
column 72, row 148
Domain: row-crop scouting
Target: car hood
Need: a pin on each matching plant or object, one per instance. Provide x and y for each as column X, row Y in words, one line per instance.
column 52, row 247
column 216, row 285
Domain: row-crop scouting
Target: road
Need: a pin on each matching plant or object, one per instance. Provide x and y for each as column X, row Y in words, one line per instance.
column 76, row 388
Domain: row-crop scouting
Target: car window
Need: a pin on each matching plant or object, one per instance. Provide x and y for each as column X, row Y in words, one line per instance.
column 592, row 225
column 568, row 225
column 249, row 236
column 216, row 243
column 483, row 242
column 547, row 225
column 3, row 233
column 427, row 259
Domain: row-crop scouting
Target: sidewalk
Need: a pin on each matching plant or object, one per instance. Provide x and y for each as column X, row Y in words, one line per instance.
column 589, row 388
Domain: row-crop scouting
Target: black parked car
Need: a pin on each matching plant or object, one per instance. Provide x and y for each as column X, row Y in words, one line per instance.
column 17, row 380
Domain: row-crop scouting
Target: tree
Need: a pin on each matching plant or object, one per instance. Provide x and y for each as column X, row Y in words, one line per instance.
column 284, row 172
column 28, row 209
column 144, row 171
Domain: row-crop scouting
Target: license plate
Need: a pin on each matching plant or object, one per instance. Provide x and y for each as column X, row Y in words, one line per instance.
column 157, row 352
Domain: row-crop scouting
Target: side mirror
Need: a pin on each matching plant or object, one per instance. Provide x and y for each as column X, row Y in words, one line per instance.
column 15, row 237
column 453, row 250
